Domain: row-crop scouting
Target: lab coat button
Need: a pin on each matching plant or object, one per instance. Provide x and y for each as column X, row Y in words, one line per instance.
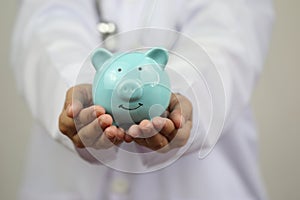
column 119, row 186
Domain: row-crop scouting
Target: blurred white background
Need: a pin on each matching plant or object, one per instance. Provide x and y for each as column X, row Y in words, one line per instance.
column 276, row 103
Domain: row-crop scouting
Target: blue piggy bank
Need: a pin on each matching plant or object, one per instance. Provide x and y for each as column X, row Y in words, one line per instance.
column 131, row 86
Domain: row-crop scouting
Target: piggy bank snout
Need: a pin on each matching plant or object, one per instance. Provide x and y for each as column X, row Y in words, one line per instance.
column 130, row 90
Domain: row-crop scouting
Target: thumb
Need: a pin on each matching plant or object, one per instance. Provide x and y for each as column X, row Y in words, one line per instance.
column 180, row 110
column 74, row 109
column 77, row 98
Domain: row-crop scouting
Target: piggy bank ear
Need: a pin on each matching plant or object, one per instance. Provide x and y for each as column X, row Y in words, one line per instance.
column 160, row 55
column 99, row 57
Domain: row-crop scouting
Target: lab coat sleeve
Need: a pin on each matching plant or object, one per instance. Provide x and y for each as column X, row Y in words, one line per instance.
column 235, row 34
column 51, row 40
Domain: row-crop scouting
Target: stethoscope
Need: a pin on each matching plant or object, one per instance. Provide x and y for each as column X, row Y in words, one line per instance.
column 107, row 29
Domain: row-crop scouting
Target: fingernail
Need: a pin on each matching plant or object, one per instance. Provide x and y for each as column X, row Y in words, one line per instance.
column 133, row 132
column 158, row 122
column 128, row 138
column 109, row 134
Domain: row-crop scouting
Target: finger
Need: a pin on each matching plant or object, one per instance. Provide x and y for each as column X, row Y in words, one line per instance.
column 66, row 125
column 140, row 141
column 105, row 121
column 134, row 131
column 68, row 98
column 128, row 138
column 175, row 111
column 72, row 105
column 88, row 115
column 78, row 97
column 114, row 134
column 164, row 126
column 156, row 142
column 180, row 110
column 120, row 134
column 146, row 129
column 152, row 139
column 173, row 101
column 165, row 114
column 182, row 135
column 185, row 106
column 83, row 93
column 108, row 138
column 74, row 108
column 89, row 134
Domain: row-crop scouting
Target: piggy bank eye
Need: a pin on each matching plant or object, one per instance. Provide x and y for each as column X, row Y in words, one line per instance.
column 140, row 69
column 119, row 69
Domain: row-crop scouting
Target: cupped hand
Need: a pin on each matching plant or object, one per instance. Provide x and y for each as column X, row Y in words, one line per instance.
column 165, row 133
column 86, row 124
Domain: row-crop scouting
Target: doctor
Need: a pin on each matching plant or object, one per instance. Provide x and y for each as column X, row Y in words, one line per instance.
column 51, row 40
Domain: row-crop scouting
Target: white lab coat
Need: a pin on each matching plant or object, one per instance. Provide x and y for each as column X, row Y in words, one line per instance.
column 52, row 37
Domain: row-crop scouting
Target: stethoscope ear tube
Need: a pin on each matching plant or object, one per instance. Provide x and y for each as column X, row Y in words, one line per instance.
column 105, row 28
